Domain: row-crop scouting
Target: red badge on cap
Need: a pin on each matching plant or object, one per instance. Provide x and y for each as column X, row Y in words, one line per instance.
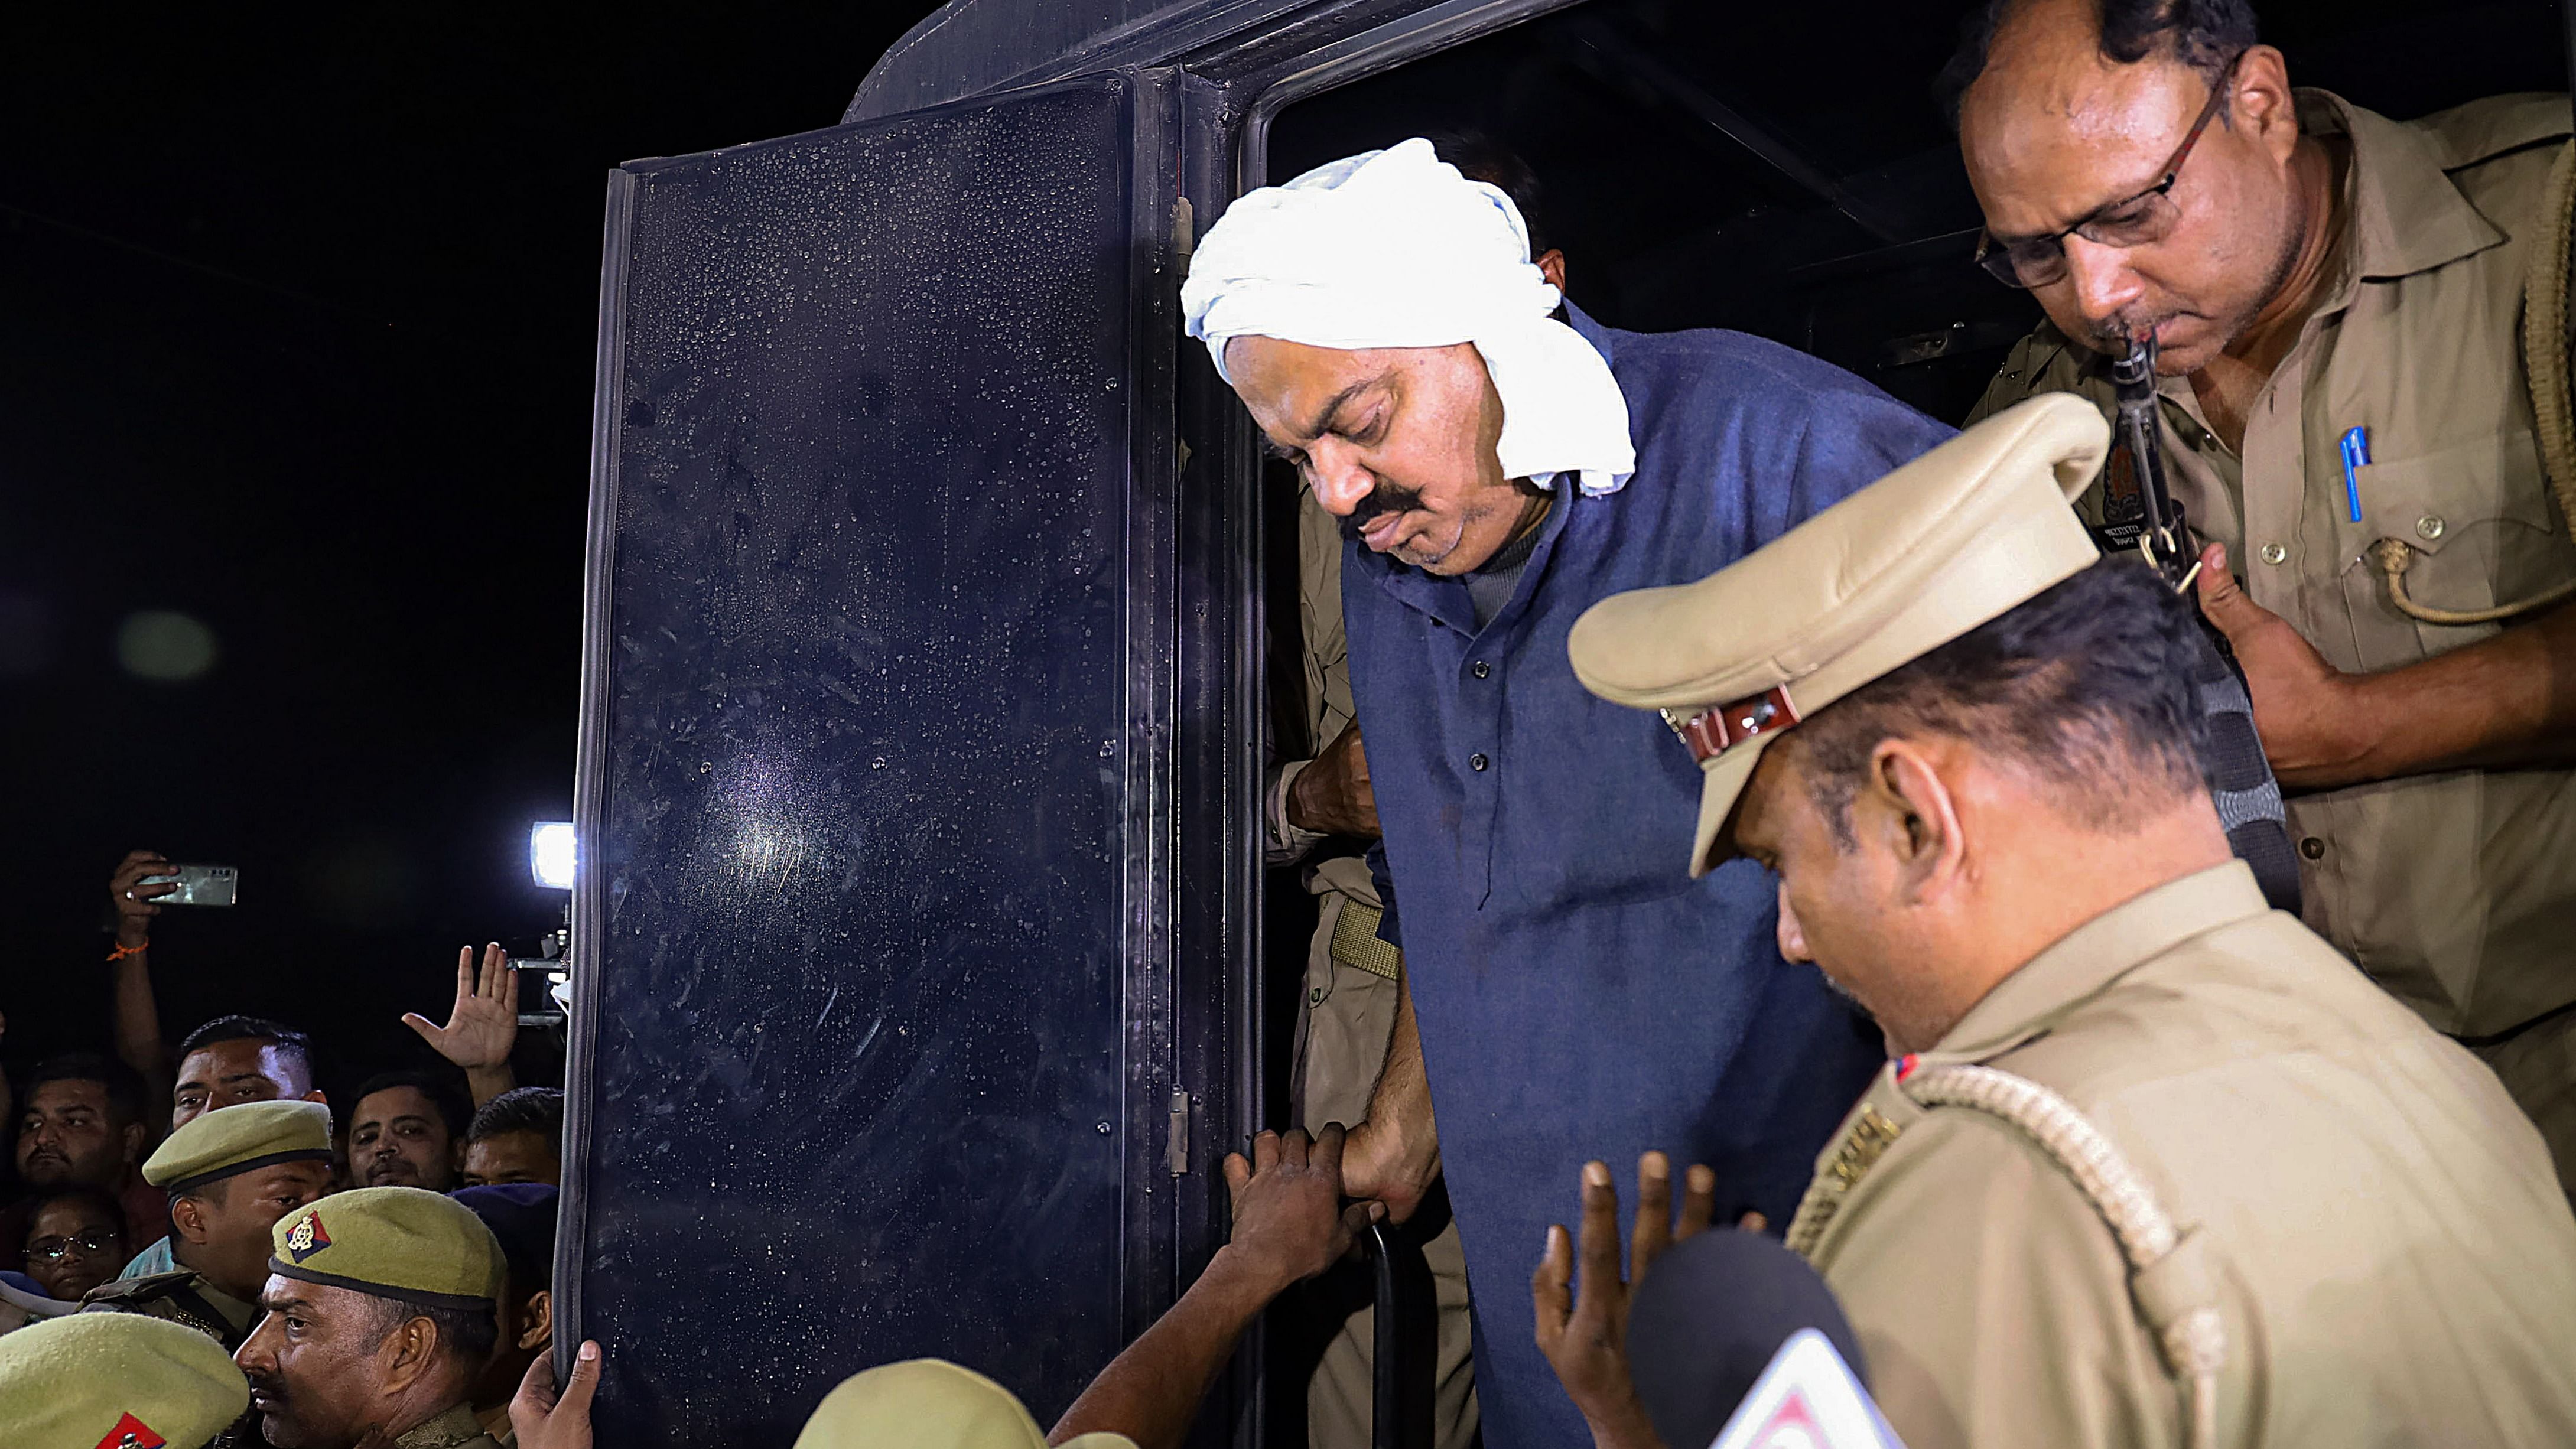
column 132, row 1433
column 306, row 1238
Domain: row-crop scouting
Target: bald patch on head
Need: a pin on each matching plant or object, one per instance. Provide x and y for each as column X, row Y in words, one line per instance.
column 2053, row 128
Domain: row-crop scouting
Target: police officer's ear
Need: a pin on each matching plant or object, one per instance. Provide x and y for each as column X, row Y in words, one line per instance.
column 2260, row 103
column 188, row 1215
column 1910, row 808
column 537, row 1320
column 1552, row 262
column 407, row 1354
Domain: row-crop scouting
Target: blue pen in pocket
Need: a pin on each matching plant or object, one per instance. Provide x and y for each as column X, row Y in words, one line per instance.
column 2356, row 456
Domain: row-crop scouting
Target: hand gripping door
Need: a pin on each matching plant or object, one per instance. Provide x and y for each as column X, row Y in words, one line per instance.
column 872, row 1050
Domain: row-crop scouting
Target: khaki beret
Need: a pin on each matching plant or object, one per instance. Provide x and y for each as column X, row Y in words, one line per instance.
column 231, row 1140
column 929, row 1403
column 1948, row 542
column 394, row 1242
column 112, row 1380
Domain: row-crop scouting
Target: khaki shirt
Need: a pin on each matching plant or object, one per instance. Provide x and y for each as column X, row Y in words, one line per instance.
column 2394, row 1261
column 2455, row 891
column 455, row 1429
column 1327, row 665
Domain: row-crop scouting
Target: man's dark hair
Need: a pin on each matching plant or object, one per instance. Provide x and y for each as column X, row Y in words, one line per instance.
column 123, row 1083
column 251, row 1028
column 2202, row 34
column 471, row 1333
column 521, row 1109
column 2087, row 687
column 98, row 1200
column 454, row 1107
column 1480, row 157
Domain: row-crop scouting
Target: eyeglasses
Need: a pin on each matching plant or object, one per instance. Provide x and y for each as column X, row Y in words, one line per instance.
column 2136, row 221
column 54, row 1250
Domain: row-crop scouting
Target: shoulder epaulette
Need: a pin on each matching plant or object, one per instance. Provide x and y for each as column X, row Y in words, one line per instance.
column 146, row 1288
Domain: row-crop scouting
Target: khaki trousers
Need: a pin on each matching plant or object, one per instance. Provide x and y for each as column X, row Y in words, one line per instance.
column 1346, row 1015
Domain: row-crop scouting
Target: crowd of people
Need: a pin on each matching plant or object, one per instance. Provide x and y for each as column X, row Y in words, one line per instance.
column 1987, row 979
column 158, row 1185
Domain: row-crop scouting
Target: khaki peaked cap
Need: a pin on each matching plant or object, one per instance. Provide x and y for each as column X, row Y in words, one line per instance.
column 232, row 1140
column 1948, row 542
column 929, row 1403
column 103, row 1379
column 395, row 1242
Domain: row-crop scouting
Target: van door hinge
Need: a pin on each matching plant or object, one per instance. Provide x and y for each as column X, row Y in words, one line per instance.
column 1176, row 1149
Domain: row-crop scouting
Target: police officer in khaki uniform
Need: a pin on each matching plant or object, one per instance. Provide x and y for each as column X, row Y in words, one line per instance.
column 2154, row 1164
column 2317, row 273
column 115, row 1381
column 231, row 1174
column 391, row 1294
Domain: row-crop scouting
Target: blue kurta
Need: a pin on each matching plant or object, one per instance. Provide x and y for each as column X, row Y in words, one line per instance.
column 1579, row 995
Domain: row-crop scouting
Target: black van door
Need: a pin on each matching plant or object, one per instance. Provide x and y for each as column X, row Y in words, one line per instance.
column 874, row 1042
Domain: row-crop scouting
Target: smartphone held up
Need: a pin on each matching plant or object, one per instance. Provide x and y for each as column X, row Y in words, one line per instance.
column 198, row 885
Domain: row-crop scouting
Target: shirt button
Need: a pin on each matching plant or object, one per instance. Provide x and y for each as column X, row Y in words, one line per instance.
column 2313, row 848
column 1480, row 669
column 1477, row 763
column 2429, row 527
column 2273, row 553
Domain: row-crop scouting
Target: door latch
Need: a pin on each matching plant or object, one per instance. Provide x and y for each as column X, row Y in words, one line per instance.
column 1176, row 1148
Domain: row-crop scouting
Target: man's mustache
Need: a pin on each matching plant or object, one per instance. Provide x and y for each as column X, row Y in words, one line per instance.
column 1383, row 498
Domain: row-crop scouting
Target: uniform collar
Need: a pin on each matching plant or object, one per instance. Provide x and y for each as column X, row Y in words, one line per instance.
column 457, row 1426
column 2085, row 961
column 2402, row 213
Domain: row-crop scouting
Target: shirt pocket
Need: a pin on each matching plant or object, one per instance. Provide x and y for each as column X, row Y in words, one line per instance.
column 2480, row 531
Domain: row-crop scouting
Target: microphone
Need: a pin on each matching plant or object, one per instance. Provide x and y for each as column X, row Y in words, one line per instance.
column 1713, row 1316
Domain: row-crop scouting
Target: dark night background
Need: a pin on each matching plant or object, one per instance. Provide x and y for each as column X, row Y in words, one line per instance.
column 298, row 341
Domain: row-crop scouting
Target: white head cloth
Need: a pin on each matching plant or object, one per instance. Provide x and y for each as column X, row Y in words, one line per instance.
column 1394, row 248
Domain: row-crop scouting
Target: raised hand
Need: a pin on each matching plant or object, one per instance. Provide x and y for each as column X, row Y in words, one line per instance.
column 482, row 1026
column 134, row 908
column 1585, row 1336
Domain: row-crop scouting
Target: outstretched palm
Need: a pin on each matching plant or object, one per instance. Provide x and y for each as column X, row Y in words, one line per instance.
column 484, row 1023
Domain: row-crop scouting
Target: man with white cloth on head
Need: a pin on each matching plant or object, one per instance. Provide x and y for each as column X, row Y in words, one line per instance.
column 1500, row 472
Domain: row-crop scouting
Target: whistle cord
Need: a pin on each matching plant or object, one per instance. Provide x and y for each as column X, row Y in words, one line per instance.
column 2392, row 557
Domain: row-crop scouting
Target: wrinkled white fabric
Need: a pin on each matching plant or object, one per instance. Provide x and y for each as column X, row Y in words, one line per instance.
column 1394, row 248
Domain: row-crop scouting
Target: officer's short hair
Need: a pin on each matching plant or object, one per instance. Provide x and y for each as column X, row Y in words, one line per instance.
column 2087, row 687
column 124, row 1085
column 521, row 1109
column 252, row 1028
column 469, row 1333
column 2203, row 34
column 454, row 1108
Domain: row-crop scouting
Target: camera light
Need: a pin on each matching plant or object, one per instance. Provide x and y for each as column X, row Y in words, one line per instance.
column 551, row 854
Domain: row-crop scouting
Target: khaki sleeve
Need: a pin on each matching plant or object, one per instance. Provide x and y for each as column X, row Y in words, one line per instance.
column 1991, row 1301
